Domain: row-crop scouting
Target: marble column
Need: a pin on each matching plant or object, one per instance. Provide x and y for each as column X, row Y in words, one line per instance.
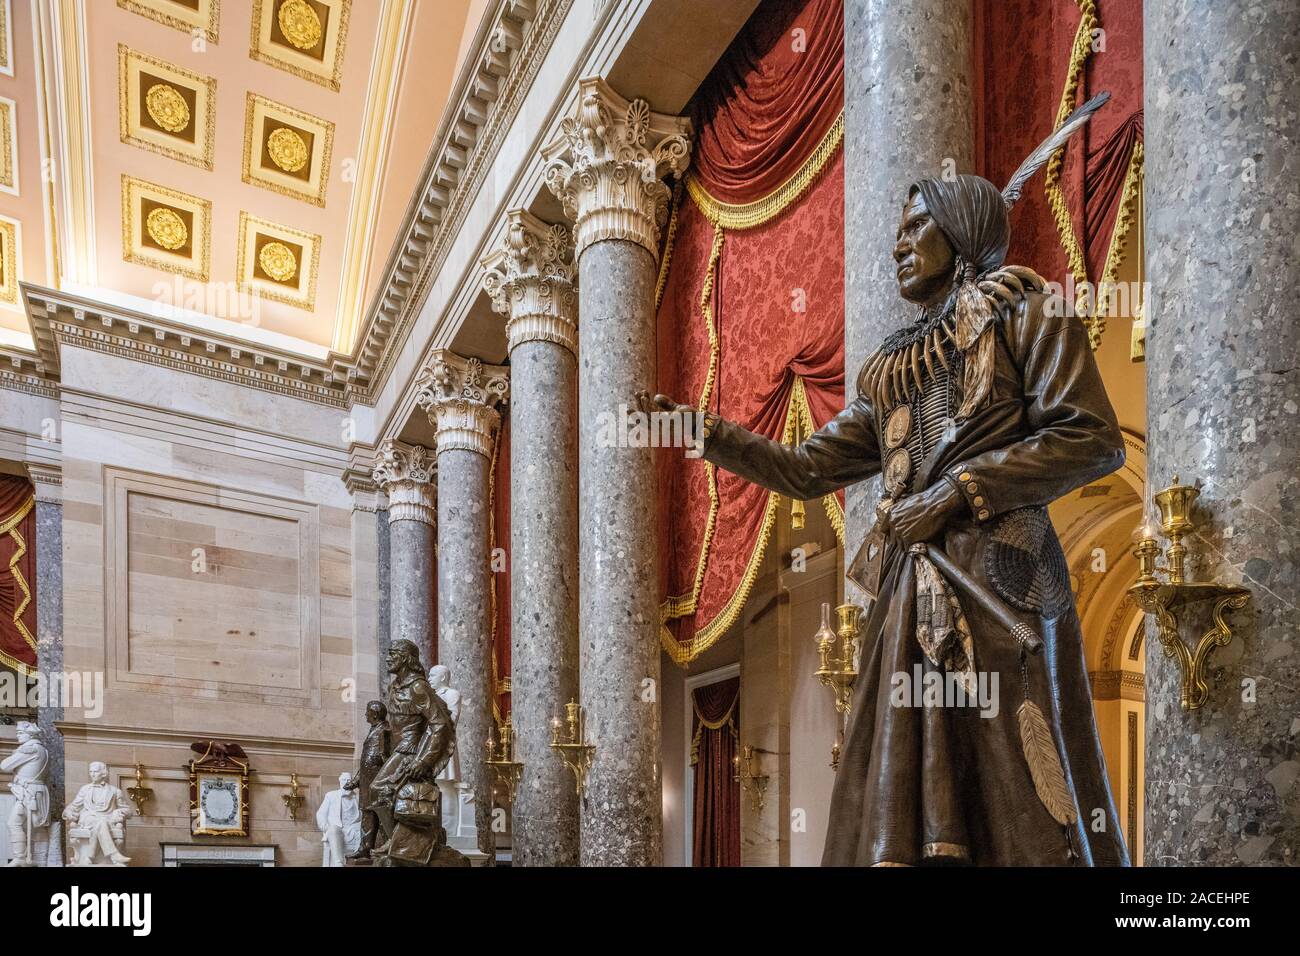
column 907, row 109
column 606, row 167
column 460, row 396
column 47, row 481
column 532, row 281
column 1223, row 400
column 368, row 597
column 405, row 474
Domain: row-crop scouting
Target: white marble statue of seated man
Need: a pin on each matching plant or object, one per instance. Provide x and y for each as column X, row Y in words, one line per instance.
column 339, row 820
column 100, row 810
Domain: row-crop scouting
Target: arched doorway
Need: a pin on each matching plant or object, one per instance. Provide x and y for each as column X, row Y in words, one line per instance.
column 1096, row 525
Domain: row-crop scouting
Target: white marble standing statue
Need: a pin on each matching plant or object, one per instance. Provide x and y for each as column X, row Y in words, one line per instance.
column 457, row 821
column 96, row 822
column 30, row 817
column 339, row 819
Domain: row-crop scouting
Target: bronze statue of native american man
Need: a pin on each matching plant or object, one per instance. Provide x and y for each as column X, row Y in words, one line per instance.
column 982, row 411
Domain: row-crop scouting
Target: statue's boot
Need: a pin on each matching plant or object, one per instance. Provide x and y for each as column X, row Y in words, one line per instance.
column 119, row 859
column 18, row 843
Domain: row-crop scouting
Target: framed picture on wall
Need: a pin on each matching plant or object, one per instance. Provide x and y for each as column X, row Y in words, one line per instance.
column 219, row 790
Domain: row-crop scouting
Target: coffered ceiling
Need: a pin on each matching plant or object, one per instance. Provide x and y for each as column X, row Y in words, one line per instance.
column 239, row 160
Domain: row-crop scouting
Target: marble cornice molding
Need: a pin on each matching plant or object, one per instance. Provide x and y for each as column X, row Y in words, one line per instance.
column 532, row 281
column 461, row 397
column 507, row 52
column 607, row 165
column 406, row 473
column 1117, row 685
column 24, row 371
column 58, row 318
column 47, row 480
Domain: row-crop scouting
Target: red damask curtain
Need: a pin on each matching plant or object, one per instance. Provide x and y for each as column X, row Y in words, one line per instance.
column 17, row 575
column 1036, row 62
column 715, row 729
column 751, row 298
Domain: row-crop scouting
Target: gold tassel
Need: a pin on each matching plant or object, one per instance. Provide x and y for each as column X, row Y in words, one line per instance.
column 796, row 514
column 1045, row 763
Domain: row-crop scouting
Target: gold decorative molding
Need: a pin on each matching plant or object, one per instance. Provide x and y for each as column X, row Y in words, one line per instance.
column 304, row 37
column 278, row 263
column 165, row 108
column 64, row 23
column 11, row 261
column 8, row 146
column 509, row 49
column 6, row 38
column 286, row 150
column 200, row 18
column 165, row 229
column 380, row 112
column 1117, row 685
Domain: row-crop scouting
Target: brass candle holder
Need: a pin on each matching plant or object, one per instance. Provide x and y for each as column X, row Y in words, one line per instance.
column 755, row 784
column 1164, row 599
column 293, row 800
column 570, row 740
column 837, row 663
column 139, row 794
column 506, row 771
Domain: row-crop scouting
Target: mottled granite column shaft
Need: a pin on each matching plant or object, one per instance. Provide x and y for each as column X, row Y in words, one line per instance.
column 1223, row 399
column 907, row 108
column 532, row 281
column 605, row 167
column 405, row 474
column 48, row 484
column 459, row 396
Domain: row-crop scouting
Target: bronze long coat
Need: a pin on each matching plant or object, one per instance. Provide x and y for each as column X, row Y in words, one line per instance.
column 927, row 784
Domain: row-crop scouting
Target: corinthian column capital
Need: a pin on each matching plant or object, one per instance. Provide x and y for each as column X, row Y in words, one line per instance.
column 405, row 473
column 607, row 163
column 460, row 396
column 533, row 282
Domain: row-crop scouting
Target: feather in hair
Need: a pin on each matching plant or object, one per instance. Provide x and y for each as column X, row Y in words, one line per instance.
column 1039, row 157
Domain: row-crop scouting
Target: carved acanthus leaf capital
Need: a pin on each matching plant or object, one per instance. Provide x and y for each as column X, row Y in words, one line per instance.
column 532, row 280
column 405, row 473
column 607, row 166
column 461, row 397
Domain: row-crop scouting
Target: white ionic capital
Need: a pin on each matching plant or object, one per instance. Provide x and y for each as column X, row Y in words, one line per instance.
column 533, row 282
column 460, row 396
column 405, row 474
column 607, row 163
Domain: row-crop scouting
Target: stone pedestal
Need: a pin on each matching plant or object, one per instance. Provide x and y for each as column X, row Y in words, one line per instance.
column 405, row 474
column 1223, row 394
column 907, row 109
column 460, row 396
column 605, row 167
column 532, row 280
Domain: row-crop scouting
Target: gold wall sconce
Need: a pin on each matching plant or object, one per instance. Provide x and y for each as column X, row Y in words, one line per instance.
column 293, row 800
column 506, row 771
column 837, row 662
column 1164, row 599
column 747, row 765
column 569, row 738
column 139, row 794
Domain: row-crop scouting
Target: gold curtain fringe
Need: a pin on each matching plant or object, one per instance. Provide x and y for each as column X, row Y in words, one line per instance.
column 1125, row 219
column 492, row 577
column 10, row 527
column 760, row 211
column 799, row 398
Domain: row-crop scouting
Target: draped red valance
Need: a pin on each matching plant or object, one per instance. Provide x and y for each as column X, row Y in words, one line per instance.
column 770, row 100
column 17, row 575
column 1037, row 61
column 715, row 734
column 751, row 317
